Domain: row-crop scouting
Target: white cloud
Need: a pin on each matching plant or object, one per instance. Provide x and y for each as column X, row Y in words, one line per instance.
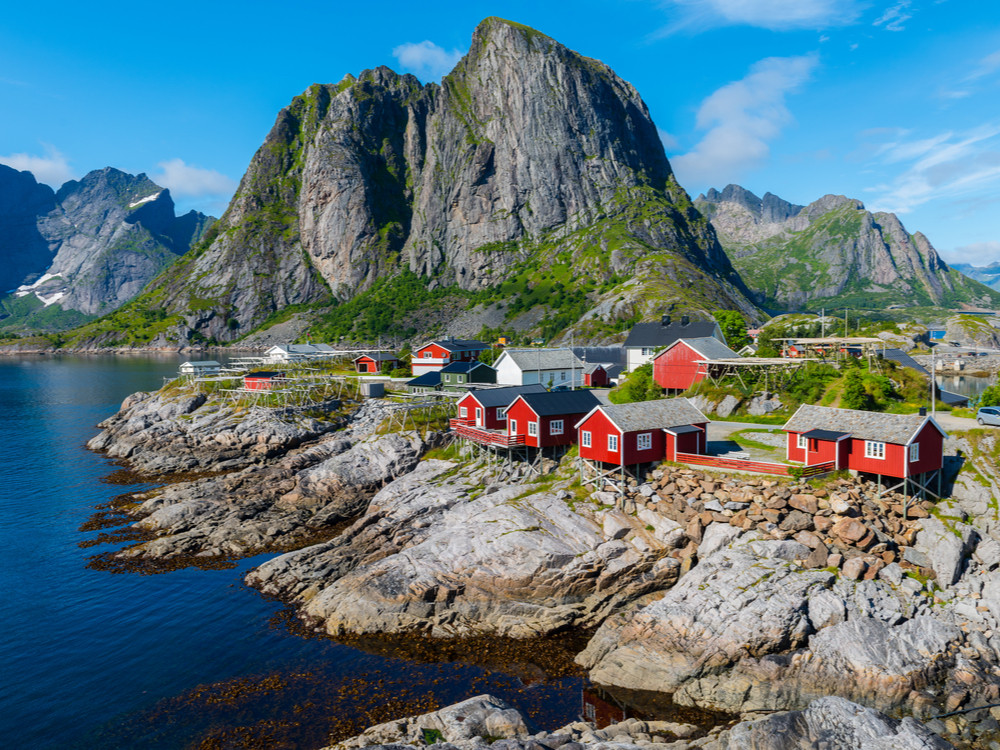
column 894, row 17
column 976, row 254
column 186, row 181
column 777, row 15
column 741, row 117
column 426, row 60
column 53, row 169
column 948, row 165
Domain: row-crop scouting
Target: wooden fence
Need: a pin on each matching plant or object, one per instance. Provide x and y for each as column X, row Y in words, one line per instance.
column 759, row 467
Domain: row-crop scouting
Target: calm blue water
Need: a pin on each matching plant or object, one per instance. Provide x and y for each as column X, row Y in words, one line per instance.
column 94, row 659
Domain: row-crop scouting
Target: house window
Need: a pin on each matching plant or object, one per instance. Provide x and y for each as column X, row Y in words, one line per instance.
column 427, row 355
column 585, row 439
column 533, row 429
column 463, row 412
column 644, row 440
column 501, row 413
column 648, row 351
column 613, row 443
column 874, row 449
column 556, row 427
column 562, row 375
column 914, row 452
column 802, row 441
column 447, row 378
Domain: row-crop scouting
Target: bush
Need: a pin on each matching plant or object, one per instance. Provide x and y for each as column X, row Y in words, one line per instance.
column 401, row 372
column 639, row 386
column 989, row 397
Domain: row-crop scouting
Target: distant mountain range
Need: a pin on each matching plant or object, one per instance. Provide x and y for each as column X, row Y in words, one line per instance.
column 86, row 249
column 833, row 253
column 988, row 275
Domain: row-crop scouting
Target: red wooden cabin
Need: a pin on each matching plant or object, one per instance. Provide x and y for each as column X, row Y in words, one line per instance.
column 376, row 362
column 595, row 376
column 548, row 419
column 261, row 381
column 892, row 445
column 629, row 434
column 436, row 354
column 487, row 408
column 681, row 365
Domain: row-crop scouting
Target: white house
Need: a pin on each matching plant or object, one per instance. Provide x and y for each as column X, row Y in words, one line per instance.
column 553, row 368
column 201, row 368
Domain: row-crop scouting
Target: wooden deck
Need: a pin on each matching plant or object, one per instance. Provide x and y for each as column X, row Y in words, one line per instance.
column 485, row 437
column 758, row 467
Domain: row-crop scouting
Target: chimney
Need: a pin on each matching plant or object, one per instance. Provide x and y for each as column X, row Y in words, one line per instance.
column 685, row 320
column 923, row 411
column 665, row 320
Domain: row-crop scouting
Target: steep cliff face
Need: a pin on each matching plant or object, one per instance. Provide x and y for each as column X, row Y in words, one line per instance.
column 23, row 249
column 832, row 252
column 526, row 151
column 104, row 238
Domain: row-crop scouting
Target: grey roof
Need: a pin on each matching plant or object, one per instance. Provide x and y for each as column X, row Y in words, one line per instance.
column 464, row 366
column 952, row 399
column 592, row 368
column 555, row 403
column 825, row 434
column 377, row 356
column 658, row 335
column 458, row 345
column 544, row 359
column 202, row 363
column 430, row 379
column 863, row 425
column 296, row 348
column 654, row 415
column 710, row 347
column 490, row 397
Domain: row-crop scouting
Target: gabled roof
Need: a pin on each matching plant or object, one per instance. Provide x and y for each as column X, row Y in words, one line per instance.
column 293, row 348
column 658, row 335
column 554, row 403
column 543, row 359
column 457, row 345
column 708, row 347
column 490, row 397
column 461, row 367
column 201, row 363
column 378, row 356
column 592, row 368
column 862, row 425
column 651, row 415
column 430, row 379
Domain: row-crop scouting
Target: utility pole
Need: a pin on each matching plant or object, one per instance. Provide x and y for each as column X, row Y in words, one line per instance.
column 822, row 322
column 933, row 384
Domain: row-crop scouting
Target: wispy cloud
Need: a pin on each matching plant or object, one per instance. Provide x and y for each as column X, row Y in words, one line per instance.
column 986, row 66
column 669, row 142
column 186, row 181
column 894, row 18
column 777, row 15
column 53, row 168
column 741, row 118
column 426, row 60
column 966, row 85
column 976, row 254
column 948, row 165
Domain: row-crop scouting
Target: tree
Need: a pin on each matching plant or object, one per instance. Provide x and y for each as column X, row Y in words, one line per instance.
column 854, row 395
column 734, row 328
column 767, row 342
column 638, row 386
column 990, row 396
column 489, row 356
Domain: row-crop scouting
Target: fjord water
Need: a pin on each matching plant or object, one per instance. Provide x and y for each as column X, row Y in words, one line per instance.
column 95, row 659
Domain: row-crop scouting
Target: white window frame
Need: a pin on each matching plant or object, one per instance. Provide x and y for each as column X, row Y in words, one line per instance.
column 556, row 427
column 463, row 412
column 648, row 351
column 803, row 442
column 914, row 452
column 533, row 429
column 644, row 441
column 612, row 443
column 875, row 449
column 501, row 413
column 427, row 355
column 585, row 438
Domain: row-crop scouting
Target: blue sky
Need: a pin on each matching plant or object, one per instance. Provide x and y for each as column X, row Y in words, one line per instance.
column 895, row 103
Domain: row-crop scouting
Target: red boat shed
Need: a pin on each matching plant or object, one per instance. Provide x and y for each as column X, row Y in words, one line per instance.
column 643, row 432
column 891, row 445
column 261, row 381
column 682, row 364
column 595, row 376
column 548, row 419
column 487, row 408
column 376, row 362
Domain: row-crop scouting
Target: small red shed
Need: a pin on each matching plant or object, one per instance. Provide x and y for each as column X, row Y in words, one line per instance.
column 374, row 362
column 892, row 445
column 261, row 381
column 681, row 365
column 629, row 434
column 487, row 408
column 548, row 419
column 596, row 376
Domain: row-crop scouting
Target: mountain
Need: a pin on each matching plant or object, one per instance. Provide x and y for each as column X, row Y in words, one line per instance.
column 833, row 253
column 989, row 275
column 531, row 179
column 91, row 246
column 23, row 249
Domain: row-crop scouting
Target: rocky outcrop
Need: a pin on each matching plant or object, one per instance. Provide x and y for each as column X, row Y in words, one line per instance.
column 832, row 250
column 525, row 148
column 104, row 237
column 179, row 430
column 440, row 554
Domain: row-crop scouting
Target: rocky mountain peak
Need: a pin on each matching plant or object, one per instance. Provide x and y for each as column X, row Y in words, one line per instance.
column 24, row 252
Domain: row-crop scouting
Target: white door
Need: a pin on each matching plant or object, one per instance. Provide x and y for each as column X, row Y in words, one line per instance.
column 479, row 417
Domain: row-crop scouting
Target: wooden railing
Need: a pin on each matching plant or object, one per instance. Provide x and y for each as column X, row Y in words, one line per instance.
column 759, row 467
column 486, row 437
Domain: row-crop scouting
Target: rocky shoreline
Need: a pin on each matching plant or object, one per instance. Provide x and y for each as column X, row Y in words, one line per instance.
column 734, row 595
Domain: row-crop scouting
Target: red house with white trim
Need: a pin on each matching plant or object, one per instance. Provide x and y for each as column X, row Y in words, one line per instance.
column 376, row 362
column 891, row 445
column 261, row 381
column 437, row 354
column 548, row 419
column 487, row 408
column 596, row 376
column 643, row 432
column 682, row 364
